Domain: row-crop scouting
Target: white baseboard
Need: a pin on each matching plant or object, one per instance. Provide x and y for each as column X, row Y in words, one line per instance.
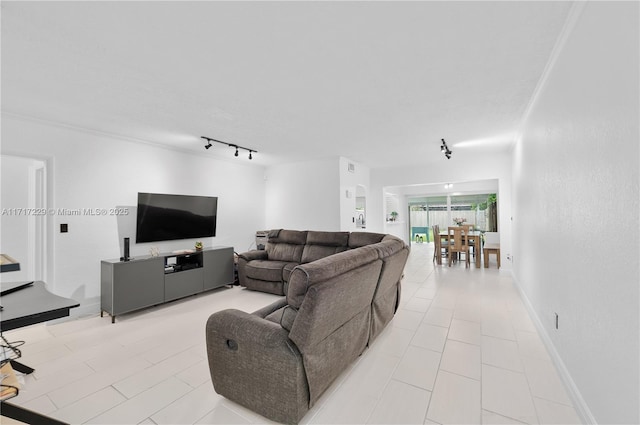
column 576, row 397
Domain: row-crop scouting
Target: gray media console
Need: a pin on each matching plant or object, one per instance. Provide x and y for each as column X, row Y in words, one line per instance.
column 146, row 281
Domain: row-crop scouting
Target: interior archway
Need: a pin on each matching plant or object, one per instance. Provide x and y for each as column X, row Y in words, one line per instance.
column 361, row 207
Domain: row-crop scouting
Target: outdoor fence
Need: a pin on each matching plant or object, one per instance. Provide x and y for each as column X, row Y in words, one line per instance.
column 423, row 221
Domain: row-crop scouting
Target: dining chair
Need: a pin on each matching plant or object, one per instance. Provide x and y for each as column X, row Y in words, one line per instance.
column 472, row 244
column 439, row 245
column 458, row 243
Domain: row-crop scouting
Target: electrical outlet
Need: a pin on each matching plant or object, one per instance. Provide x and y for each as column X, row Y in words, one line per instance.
column 557, row 321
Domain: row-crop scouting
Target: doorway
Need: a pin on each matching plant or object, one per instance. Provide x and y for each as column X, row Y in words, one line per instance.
column 24, row 216
column 361, row 207
column 478, row 210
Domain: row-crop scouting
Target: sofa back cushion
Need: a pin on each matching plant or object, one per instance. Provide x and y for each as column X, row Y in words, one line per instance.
column 286, row 245
column 358, row 239
column 323, row 244
column 333, row 320
column 324, row 269
column 393, row 253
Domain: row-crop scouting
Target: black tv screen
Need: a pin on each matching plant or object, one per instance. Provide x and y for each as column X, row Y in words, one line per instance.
column 163, row 217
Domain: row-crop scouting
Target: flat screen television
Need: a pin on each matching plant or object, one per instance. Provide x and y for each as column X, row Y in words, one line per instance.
column 164, row 217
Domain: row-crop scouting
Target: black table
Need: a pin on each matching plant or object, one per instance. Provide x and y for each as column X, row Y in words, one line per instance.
column 26, row 306
column 32, row 304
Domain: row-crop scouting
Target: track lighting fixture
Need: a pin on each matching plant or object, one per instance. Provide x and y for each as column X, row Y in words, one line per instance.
column 445, row 149
column 209, row 140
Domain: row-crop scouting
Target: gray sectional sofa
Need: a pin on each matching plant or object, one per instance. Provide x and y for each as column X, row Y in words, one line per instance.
column 279, row 360
column 269, row 270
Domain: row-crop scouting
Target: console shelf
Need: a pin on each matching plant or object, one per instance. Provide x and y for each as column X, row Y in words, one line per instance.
column 145, row 281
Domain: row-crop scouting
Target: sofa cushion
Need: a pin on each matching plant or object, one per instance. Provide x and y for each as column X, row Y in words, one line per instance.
column 327, row 238
column 265, row 270
column 358, row 239
column 286, row 245
column 284, row 316
column 324, row 244
column 275, row 316
column 316, row 252
column 276, row 288
column 295, row 237
column 284, row 252
column 270, row 308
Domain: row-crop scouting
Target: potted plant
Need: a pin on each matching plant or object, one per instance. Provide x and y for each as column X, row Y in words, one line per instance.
column 394, row 215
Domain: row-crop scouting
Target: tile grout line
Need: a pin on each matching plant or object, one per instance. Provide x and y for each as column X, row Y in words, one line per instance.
column 426, row 413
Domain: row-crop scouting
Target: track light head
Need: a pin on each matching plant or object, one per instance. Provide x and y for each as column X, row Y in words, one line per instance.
column 208, row 145
column 236, row 154
column 250, row 157
column 445, row 149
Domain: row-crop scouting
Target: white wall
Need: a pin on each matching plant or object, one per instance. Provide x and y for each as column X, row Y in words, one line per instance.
column 89, row 170
column 303, row 195
column 575, row 202
column 457, row 169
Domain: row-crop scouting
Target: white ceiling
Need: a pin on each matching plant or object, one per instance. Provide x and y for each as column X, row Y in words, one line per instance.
column 377, row 82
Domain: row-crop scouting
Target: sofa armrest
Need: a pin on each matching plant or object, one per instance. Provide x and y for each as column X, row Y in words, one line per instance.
column 256, row 254
column 254, row 363
column 244, row 258
column 267, row 310
column 245, row 328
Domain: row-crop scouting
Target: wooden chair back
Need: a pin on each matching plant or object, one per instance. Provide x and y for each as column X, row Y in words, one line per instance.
column 468, row 228
column 436, row 236
column 457, row 239
column 458, row 242
column 437, row 243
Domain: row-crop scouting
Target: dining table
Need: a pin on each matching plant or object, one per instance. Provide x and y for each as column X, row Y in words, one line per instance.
column 474, row 236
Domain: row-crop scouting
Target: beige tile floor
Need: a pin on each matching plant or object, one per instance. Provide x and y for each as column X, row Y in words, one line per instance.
column 461, row 349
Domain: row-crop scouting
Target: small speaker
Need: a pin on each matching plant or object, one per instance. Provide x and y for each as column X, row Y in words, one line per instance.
column 126, row 250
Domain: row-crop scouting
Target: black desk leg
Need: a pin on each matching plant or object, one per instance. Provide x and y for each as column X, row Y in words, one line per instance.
column 27, row 416
column 21, row 367
column 17, row 354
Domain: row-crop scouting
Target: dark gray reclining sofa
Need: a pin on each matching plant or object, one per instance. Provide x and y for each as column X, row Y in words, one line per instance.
column 269, row 270
column 280, row 359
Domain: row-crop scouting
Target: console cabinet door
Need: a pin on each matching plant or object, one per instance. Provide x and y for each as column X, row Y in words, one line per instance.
column 137, row 284
column 218, row 267
column 182, row 284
